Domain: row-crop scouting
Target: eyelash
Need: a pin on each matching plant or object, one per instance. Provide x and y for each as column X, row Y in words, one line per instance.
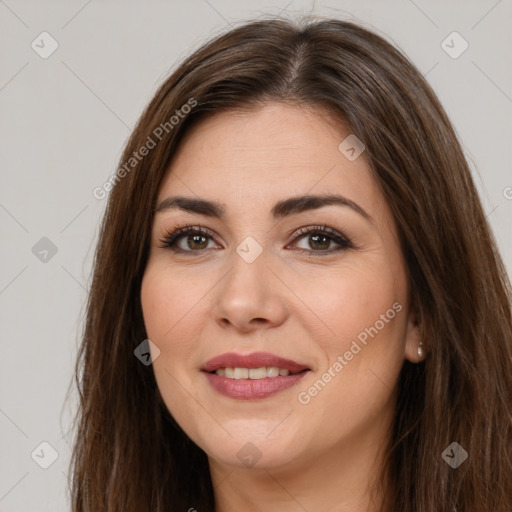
column 170, row 239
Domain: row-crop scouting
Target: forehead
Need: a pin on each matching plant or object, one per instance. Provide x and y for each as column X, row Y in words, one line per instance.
column 250, row 160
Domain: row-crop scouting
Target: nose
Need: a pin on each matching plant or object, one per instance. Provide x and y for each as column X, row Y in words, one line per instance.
column 250, row 296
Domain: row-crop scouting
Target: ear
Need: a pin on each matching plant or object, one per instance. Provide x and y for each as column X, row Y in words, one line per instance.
column 413, row 338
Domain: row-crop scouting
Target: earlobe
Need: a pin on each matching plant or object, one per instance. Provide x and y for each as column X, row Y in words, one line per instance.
column 415, row 346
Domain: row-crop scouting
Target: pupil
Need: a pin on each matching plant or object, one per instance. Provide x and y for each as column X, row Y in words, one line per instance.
column 195, row 239
column 325, row 240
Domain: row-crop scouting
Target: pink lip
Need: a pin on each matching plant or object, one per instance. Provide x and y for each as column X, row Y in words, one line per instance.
column 255, row 360
column 247, row 389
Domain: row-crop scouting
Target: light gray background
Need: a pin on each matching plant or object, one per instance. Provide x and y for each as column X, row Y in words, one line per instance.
column 65, row 119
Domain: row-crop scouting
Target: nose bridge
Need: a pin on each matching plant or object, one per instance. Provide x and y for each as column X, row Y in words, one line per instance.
column 248, row 290
column 249, row 273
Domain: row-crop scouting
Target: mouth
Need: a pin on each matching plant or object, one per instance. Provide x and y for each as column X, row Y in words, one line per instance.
column 252, row 366
column 264, row 372
column 252, row 376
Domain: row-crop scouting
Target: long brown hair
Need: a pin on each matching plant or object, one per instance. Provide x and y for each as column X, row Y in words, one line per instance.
column 129, row 455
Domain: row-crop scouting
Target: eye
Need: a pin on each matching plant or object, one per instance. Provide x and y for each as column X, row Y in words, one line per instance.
column 196, row 238
column 320, row 238
column 189, row 239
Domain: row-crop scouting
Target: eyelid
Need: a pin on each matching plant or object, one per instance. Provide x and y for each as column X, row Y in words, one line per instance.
column 344, row 243
column 172, row 234
column 323, row 228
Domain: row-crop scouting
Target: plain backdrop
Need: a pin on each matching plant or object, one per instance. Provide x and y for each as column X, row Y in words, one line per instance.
column 65, row 119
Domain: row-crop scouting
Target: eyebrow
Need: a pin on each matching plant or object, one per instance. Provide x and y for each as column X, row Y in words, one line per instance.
column 281, row 209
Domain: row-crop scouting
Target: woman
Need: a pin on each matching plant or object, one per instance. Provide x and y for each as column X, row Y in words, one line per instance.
column 295, row 242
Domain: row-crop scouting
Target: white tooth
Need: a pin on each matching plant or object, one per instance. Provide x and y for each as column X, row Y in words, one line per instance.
column 252, row 373
column 257, row 373
column 241, row 373
column 272, row 371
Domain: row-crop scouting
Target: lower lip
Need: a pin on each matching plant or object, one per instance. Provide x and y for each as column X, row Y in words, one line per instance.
column 249, row 389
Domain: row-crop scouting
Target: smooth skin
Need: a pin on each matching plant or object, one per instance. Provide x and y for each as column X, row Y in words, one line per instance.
column 300, row 299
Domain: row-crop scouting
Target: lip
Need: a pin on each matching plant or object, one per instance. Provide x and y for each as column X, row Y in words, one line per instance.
column 249, row 389
column 255, row 360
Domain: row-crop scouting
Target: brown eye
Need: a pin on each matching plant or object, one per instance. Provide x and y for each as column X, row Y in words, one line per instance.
column 319, row 240
column 197, row 239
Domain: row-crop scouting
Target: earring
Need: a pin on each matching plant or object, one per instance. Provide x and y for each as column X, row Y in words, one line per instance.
column 420, row 350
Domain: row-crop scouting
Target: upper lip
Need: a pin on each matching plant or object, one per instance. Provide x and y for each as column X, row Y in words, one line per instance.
column 255, row 360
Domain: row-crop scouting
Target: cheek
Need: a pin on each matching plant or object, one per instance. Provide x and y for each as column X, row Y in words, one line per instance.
column 365, row 315
column 362, row 325
column 167, row 298
column 168, row 305
column 346, row 302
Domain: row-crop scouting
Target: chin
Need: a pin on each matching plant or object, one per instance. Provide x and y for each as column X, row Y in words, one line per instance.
column 251, row 446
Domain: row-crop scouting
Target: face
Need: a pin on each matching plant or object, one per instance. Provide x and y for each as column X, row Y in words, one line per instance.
column 312, row 288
